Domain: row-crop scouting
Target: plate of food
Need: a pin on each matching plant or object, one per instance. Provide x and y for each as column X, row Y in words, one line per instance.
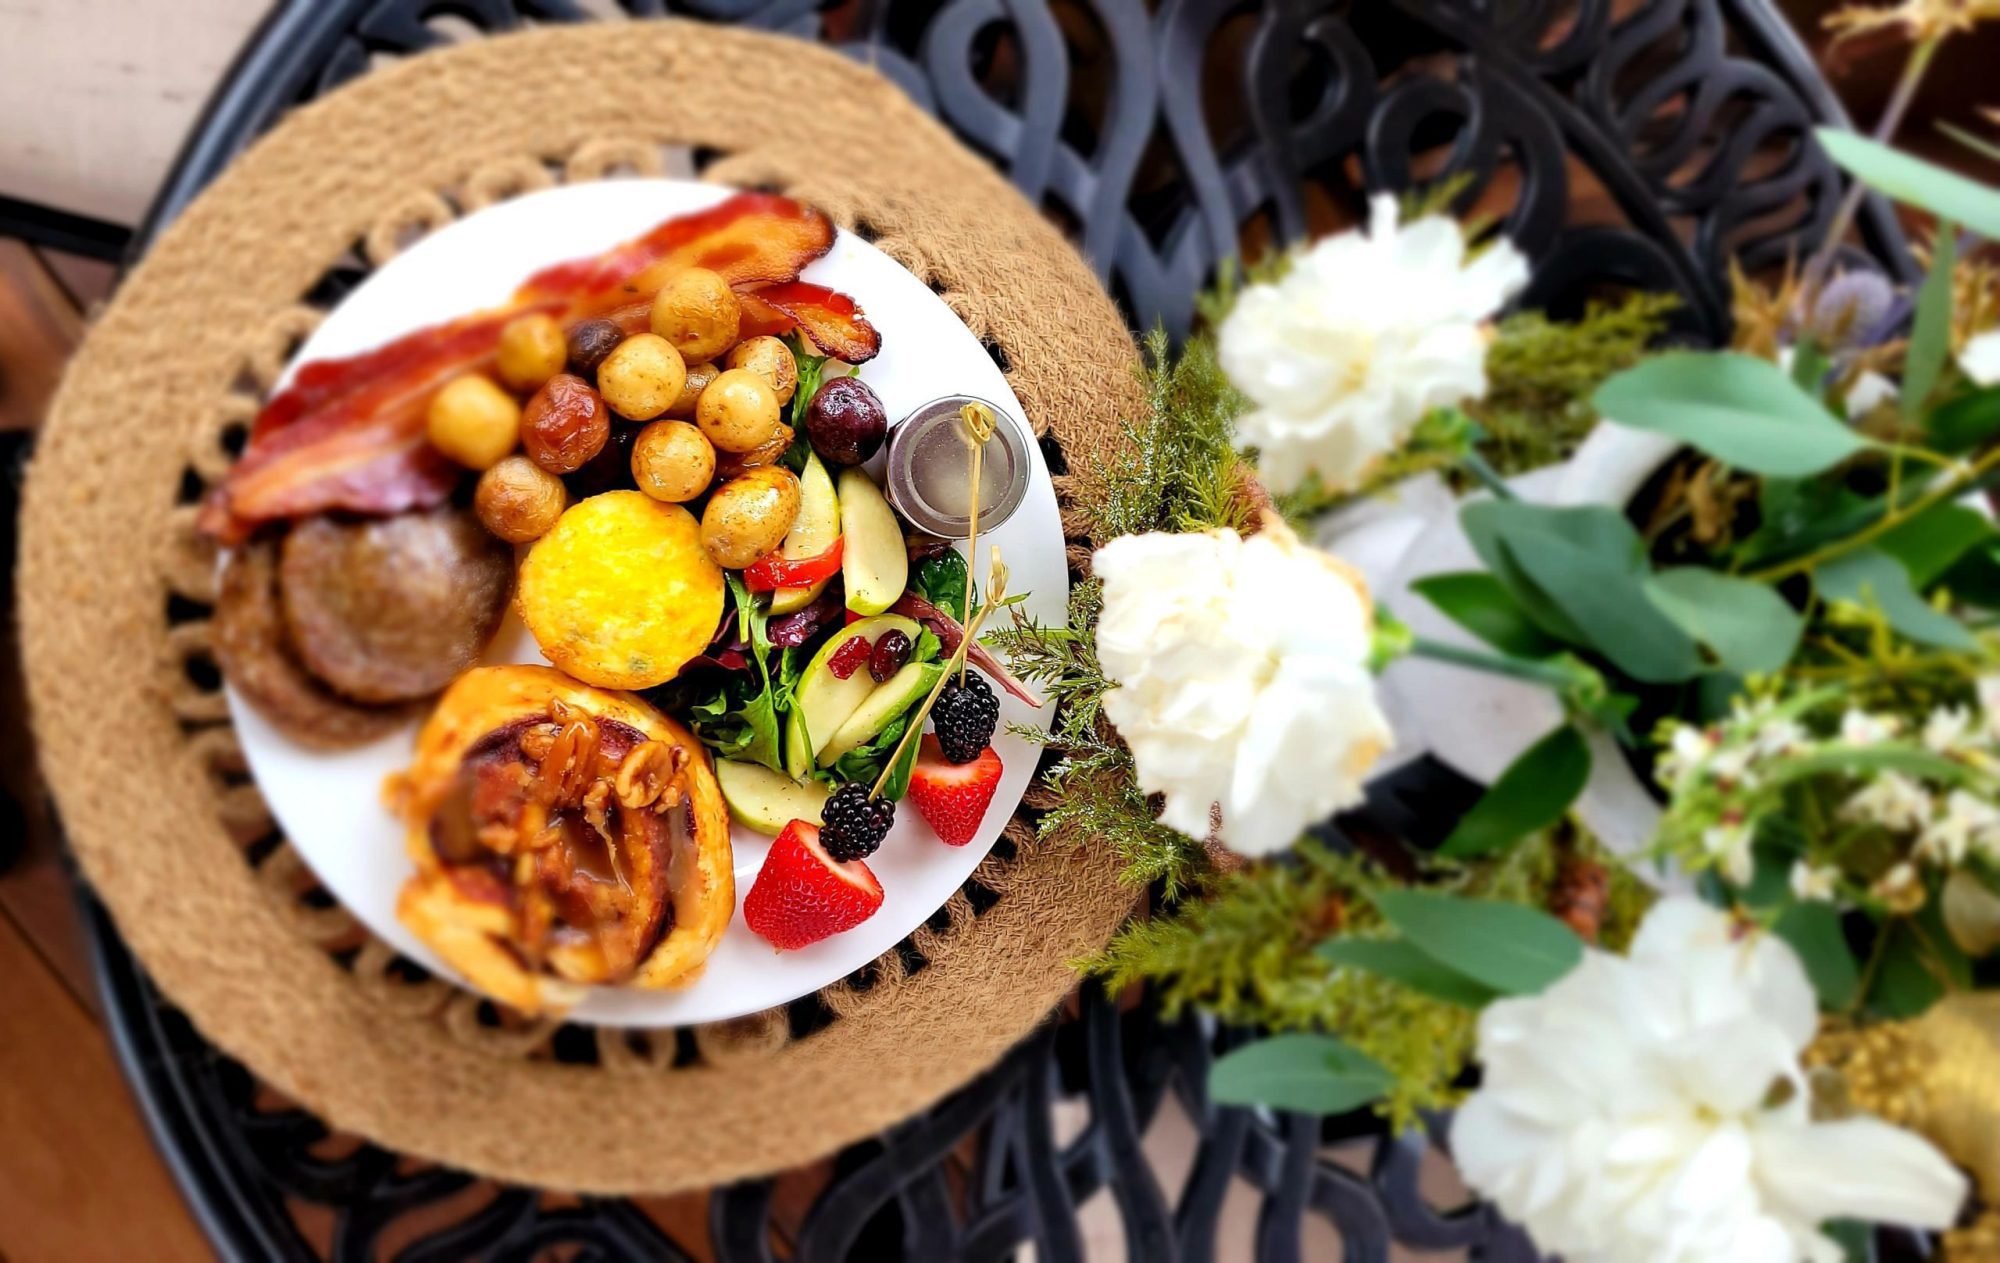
column 600, row 602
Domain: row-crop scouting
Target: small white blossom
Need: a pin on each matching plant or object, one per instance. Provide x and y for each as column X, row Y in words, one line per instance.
column 1243, row 685
column 1781, row 736
column 1967, row 821
column 1626, row 1114
column 1729, row 846
column 1689, row 749
column 1814, row 883
column 1366, row 333
column 1980, row 359
column 1891, row 800
column 1732, row 764
column 1989, row 704
column 1947, row 727
column 1859, row 728
column 1900, row 887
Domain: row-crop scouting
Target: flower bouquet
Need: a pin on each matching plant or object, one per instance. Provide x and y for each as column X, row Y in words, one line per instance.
column 1768, row 1014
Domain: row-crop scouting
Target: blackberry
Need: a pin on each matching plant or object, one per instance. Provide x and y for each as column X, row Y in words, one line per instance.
column 965, row 717
column 852, row 825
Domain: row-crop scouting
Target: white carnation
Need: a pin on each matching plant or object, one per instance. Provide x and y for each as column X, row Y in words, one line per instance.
column 1365, row 334
column 1980, row 358
column 1652, row 1108
column 1243, row 685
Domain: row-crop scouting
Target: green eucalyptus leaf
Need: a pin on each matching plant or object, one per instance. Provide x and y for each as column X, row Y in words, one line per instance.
column 1402, row 961
column 1514, row 949
column 1484, row 521
column 1975, row 577
column 1313, row 1074
column 1533, row 793
column 1869, row 575
column 1965, row 421
column 1904, row 985
column 1742, row 410
column 1930, row 542
column 1608, row 601
column 1813, row 930
column 1481, row 604
column 1751, row 629
column 1914, row 182
column 1930, row 333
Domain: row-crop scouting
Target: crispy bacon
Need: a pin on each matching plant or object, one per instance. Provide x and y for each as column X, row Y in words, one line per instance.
column 831, row 319
column 349, row 433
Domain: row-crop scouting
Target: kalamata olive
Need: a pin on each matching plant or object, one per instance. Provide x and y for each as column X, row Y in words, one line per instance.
column 609, row 470
column 891, row 652
column 590, row 342
column 473, row 421
column 518, row 500
column 564, row 424
column 846, row 421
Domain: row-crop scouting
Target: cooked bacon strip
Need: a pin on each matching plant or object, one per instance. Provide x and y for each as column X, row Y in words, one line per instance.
column 349, row 433
column 831, row 319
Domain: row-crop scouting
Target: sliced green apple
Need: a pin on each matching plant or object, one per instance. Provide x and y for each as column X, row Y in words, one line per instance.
column 767, row 801
column 813, row 532
column 874, row 562
column 891, row 698
column 798, row 746
column 824, row 701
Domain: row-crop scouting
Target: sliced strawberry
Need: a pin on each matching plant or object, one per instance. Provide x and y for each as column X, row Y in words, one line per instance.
column 803, row 895
column 953, row 799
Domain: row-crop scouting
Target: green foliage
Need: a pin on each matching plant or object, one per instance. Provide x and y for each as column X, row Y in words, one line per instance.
column 1813, row 930
column 1946, row 194
column 1097, row 798
column 1515, row 950
column 1930, row 335
column 1178, row 470
column 1749, row 627
column 1315, row 1074
column 1869, row 576
column 1531, row 795
column 1742, row 410
column 1405, row 962
column 1541, row 374
column 1478, row 602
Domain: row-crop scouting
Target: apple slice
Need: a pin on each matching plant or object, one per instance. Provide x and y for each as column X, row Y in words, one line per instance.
column 875, row 563
column 824, row 700
column 897, row 694
column 767, row 801
column 812, row 533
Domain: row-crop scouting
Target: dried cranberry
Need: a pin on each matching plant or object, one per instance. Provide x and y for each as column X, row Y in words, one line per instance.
column 891, row 652
column 847, row 659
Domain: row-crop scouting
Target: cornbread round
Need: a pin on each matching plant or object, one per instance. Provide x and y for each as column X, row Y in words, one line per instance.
column 620, row 593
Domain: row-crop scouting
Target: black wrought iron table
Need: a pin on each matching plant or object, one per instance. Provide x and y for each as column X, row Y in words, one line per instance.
column 1643, row 145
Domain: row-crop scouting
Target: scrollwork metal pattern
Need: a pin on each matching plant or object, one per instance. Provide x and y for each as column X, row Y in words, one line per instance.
column 1642, row 148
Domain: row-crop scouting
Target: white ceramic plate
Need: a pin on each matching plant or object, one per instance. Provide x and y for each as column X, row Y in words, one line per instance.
column 330, row 804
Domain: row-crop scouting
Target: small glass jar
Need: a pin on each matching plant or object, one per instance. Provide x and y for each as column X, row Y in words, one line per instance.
column 929, row 479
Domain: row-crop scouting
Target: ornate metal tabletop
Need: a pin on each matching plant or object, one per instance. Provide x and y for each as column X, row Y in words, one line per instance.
column 1629, row 146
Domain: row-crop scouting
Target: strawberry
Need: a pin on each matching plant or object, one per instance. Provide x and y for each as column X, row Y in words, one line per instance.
column 953, row 798
column 803, row 895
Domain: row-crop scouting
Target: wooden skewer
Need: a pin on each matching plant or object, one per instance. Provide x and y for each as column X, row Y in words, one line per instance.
column 979, row 424
column 996, row 591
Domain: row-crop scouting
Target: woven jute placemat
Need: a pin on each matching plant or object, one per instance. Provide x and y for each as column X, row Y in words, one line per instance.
column 115, row 588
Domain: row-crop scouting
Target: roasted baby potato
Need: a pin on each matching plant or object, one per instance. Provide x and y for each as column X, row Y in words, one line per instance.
column 473, row 421
column 770, row 359
column 564, row 424
column 749, row 516
column 699, row 375
column 738, row 412
column 532, row 350
column 621, row 593
column 697, row 312
column 518, row 500
column 642, row 377
column 671, row 461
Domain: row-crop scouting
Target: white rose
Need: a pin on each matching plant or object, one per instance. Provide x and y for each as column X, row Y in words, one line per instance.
column 1365, row 334
column 1243, row 685
column 1652, row 1108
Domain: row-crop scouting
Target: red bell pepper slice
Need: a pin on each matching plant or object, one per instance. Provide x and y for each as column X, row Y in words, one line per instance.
column 772, row 571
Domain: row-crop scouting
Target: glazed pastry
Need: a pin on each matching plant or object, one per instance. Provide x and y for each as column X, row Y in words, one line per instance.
column 564, row 836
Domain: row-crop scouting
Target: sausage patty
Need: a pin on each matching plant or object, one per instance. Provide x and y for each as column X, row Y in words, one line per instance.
column 393, row 609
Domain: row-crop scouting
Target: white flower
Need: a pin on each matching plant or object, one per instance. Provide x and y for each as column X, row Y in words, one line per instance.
column 1980, row 360
column 1967, row 821
column 1814, row 883
column 1869, row 390
column 1900, row 888
column 1653, row 1109
column 1689, row 749
column 1243, row 685
column 1781, row 736
column 1989, row 704
column 1859, row 728
column 1946, row 728
column 1731, row 765
column 1891, row 800
column 1365, row 334
column 1729, row 846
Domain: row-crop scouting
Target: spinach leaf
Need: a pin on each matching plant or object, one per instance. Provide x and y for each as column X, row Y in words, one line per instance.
column 942, row 580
